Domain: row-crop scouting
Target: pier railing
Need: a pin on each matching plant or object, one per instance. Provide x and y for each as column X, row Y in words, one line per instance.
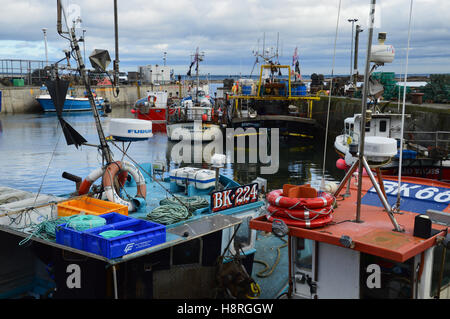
column 438, row 142
column 191, row 114
column 32, row 72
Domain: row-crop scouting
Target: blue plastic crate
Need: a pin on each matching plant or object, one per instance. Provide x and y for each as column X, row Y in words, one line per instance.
column 73, row 238
column 145, row 234
column 407, row 154
column 246, row 90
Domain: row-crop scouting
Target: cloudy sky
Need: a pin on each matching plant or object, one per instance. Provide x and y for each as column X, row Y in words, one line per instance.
column 227, row 31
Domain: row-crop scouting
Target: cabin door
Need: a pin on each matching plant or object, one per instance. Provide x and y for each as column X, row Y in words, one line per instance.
column 303, row 265
column 381, row 127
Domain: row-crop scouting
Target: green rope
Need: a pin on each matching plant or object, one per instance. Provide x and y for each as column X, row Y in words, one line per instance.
column 45, row 230
column 193, row 203
column 168, row 214
column 115, row 233
column 83, row 222
column 266, row 272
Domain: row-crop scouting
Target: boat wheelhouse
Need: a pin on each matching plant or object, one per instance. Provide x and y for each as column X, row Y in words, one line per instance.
column 425, row 154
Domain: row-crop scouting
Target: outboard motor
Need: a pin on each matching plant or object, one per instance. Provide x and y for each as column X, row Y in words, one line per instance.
column 107, row 106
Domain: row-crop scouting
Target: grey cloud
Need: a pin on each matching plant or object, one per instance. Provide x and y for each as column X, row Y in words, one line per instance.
column 227, row 31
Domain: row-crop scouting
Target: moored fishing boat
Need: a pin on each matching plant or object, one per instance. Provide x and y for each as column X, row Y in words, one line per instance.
column 143, row 232
column 72, row 104
column 154, row 107
column 275, row 100
column 425, row 154
column 195, row 118
column 392, row 244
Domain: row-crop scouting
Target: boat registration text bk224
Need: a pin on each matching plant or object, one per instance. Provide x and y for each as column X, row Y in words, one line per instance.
column 234, row 197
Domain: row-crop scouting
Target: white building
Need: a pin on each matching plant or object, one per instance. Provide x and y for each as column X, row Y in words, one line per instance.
column 155, row 74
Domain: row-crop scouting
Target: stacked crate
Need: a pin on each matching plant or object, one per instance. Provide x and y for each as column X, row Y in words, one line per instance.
column 387, row 79
column 438, row 88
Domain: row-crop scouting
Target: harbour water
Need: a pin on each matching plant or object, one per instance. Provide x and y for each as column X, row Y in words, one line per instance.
column 34, row 154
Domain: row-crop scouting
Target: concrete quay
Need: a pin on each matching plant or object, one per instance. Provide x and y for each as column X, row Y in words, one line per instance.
column 23, row 99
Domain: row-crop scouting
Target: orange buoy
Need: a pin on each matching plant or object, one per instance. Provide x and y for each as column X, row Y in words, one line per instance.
column 153, row 98
column 86, row 184
column 116, row 168
column 277, row 198
column 298, row 213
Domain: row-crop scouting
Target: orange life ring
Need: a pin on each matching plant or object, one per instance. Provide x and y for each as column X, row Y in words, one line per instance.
column 298, row 213
column 313, row 223
column 276, row 198
column 86, row 184
column 152, row 96
column 108, row 177
column 121, row 169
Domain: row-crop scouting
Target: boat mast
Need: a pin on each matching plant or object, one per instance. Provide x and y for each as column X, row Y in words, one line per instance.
column 198, row 80
column 362, row 134
column 361, row 162
column 106, row 152
column 116, row 39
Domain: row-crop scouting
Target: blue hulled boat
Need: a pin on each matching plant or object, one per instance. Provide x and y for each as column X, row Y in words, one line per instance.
column 71, row 103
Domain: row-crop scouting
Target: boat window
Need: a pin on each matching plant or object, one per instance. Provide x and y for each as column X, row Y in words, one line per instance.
column 368, row 126
column 382, row 278
column 244, row 233
column 383, row 126
column 437, row 268
column 303, row 256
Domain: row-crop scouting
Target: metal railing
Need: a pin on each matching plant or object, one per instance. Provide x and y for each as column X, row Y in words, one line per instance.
column 438, row 141
column 33, row 72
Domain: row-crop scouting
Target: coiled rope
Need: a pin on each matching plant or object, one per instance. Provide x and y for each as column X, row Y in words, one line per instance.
column 45, row 230
column 266, row 272
column 84, row 222
column 10, row 199
column 169, row 214
column 192, row 203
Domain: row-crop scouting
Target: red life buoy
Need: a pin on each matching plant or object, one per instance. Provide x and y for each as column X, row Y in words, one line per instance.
column 276, row 198
column 313, row 223
column 305, row 214
column 108, row 177
column 152, row 96
column 86, row 184
column 121, row 169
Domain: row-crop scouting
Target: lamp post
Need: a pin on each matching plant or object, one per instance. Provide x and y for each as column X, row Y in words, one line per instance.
column 45, row 42
column 84, row 47
column 351, row 49
column 355, row 63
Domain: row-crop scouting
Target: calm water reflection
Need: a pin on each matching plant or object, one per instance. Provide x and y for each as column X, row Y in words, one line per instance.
column 33, row 152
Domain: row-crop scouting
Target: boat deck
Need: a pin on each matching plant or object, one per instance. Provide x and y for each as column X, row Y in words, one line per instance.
column 201, row 223
column 375, row 233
